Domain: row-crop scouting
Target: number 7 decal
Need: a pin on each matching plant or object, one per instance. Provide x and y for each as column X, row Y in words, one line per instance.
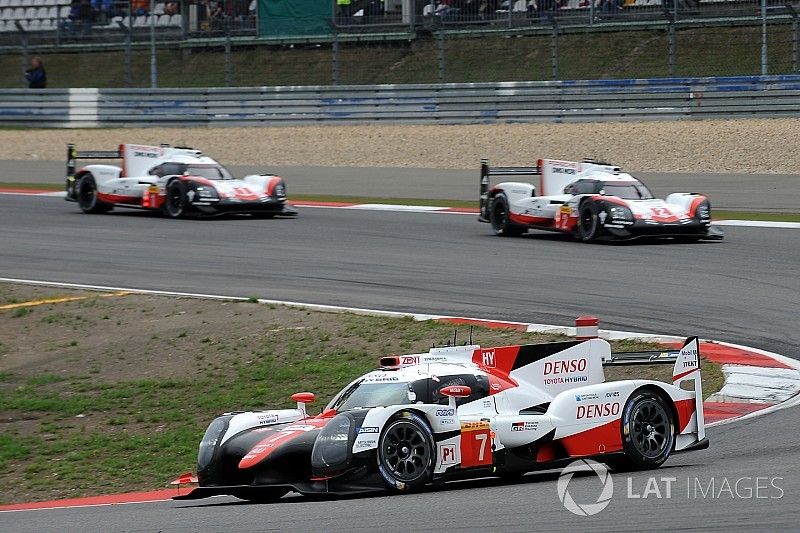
column 476, row 448
column 482, row 438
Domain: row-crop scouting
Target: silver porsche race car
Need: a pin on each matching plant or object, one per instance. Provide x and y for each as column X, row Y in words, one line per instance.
column 590, row 200
column 176, row 181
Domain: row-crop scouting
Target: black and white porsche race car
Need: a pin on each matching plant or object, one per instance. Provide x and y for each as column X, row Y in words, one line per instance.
column 175, row 181
column 592, row 201
column 459, row 412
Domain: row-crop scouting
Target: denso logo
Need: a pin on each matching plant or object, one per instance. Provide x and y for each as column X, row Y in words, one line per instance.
column 597, row 410
column 487, row 357
column 565, row 367
column 445, row 412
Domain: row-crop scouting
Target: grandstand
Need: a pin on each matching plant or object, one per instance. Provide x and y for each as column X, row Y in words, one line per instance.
column 457, row 41
column 52, row 15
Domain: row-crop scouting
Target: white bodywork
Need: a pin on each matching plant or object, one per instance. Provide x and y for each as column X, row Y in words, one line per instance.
column 557, row 206
column 577, row 408
column 130, row 183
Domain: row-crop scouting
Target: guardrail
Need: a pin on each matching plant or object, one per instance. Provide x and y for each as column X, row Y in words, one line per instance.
column 473, row 103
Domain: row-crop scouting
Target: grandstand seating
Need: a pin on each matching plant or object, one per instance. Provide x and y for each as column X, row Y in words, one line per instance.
column 46, row 15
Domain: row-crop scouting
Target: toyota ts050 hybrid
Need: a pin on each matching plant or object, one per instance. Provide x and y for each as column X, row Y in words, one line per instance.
column 592, row 201
column 176, row 181
column 459, row 412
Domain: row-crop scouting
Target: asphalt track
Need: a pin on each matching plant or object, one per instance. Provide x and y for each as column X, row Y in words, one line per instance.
column 754, row 192
column 744, row 290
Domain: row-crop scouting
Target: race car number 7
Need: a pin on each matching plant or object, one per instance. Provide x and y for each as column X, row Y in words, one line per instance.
column 481, row 437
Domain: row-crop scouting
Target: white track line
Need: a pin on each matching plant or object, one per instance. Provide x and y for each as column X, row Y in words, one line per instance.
column 399, row 208
column 543, row 328
column 531, row 328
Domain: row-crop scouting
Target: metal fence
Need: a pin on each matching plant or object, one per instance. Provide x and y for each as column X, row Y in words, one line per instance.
column 179, row 44
column 563, row 101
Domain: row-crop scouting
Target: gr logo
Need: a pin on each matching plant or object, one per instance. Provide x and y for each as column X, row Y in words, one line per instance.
column 487, row 358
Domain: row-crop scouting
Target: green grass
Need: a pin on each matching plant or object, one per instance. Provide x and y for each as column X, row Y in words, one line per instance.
column 99, row 434
column 722, row 214
column 712, row 51
column 31, row 186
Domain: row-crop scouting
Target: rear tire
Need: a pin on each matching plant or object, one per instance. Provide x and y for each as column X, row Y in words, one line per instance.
column 648, row 431
column 588, row 224
column 499, row 217
column 87, row 196
column 406, row 453
column 175, row 204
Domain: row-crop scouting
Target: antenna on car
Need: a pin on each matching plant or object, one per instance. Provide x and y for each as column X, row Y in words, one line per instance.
column 455, row 335
column 470, row 336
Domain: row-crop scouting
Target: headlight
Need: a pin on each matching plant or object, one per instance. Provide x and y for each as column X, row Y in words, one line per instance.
column 620, row 213
column 205, row 192
column 211, row 439
column 332, row 447
column 280, row 190
column 703, row 211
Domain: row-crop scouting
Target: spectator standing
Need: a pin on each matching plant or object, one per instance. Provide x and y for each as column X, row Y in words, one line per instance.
column 140, row 7
column 344, row 9
column 104, row 9
column 85, row 16
column 36, row 75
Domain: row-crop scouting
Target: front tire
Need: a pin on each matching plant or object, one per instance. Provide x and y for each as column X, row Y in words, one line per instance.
column 500, row 218
column 648, row 431
column 406, row 453
column 588, row 222
column 87, row 196
column 176, row 204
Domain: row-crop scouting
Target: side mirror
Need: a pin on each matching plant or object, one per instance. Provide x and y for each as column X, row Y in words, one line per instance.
column 302, row 398
column 455, row 391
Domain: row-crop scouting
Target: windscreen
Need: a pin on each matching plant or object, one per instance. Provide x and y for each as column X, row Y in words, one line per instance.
column 627, row 190
column 362, row 394
column 210, row 172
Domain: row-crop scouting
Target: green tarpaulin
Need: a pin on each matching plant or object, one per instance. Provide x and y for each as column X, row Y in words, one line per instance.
column 294, row 18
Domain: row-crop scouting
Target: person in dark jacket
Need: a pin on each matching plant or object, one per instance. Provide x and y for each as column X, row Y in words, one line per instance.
column 36, row 75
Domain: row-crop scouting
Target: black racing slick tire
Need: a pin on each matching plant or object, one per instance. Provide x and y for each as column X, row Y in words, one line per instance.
column 499, row 217
column 175, row 204
column 648, row 431
column 588, row 222
column 87, row 196
column 406, row 453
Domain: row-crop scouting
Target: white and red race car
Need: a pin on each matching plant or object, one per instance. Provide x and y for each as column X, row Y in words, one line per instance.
column 459, row 412
column 592, row 201
column 174, row 180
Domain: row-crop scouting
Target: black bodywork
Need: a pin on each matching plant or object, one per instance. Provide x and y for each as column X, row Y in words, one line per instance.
column 302, row 464
column 630, row 228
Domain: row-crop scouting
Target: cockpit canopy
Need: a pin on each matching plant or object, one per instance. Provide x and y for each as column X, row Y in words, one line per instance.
column 385, row 388
column 631, row 189
column 207, row 171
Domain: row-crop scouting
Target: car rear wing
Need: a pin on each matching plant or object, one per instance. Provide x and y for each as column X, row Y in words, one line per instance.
column 685, row 367
column 487, row 172
column 73, row 155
